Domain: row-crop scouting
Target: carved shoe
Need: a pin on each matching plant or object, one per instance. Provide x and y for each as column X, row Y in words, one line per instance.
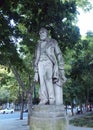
column 44, row 102
column 52, row 102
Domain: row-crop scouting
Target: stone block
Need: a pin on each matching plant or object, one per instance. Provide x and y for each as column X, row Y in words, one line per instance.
column 48, row 117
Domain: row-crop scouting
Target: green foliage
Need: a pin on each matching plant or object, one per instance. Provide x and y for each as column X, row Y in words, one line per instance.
column 28, row 17
column 84, row 4
column 8, row 85
column 80, row 79
column 23, row 19
column 56, row 16
column 84, row 121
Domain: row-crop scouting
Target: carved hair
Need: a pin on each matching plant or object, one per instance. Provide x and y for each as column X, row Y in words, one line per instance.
column 43, row 30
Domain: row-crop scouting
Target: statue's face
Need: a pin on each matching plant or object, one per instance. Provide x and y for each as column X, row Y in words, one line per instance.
column 43, row 35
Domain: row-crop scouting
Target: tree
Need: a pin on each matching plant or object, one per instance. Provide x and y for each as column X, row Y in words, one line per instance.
column 8, row 86
column 84, row 4
column 80, row 76
column 22, row 20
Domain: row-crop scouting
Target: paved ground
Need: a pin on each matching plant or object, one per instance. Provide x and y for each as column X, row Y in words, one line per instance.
column 16, row 124
column 79, row 128
column 13, row 124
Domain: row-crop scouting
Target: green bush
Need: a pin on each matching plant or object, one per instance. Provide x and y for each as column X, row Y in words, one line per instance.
column 84, row 121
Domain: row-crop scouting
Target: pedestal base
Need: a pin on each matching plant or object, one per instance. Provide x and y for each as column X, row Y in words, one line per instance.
column 48, row 117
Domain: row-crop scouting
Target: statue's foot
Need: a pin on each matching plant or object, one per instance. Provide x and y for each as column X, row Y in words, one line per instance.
column 44, row 102
column 52, row 102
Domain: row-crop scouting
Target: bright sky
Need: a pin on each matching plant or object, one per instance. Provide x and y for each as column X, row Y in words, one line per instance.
column 85, row 22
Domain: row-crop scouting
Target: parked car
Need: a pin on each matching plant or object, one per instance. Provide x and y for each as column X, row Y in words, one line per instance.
column 7, row 110
column 26, row 110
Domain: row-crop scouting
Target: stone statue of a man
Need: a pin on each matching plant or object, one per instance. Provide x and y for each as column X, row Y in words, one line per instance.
column 49, row 69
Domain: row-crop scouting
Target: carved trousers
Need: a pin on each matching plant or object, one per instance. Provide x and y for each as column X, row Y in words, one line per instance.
column 45, row 69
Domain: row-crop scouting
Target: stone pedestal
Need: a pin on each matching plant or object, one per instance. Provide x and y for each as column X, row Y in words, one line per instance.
column 48, row 117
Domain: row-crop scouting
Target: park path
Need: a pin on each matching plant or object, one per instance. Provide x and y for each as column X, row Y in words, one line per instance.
column 13, row 124
column 16, row 124
column 78, row 128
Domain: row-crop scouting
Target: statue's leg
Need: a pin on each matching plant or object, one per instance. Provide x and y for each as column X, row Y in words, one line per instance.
column 58, row 94
column 43, row 92
column 49, row 82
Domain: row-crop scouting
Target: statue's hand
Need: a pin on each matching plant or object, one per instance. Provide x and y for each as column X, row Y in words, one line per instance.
column 62, row 76
column 55, row 80
column 64, row 79
column 36, row 77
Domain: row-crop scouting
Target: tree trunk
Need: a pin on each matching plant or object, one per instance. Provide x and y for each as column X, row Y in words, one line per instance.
column 87, row 99
column 72, row 108
column 17, row 76
column 30, row 93
column 21, row 84
column 81, row 108
column 29, row 106
column 22, row 106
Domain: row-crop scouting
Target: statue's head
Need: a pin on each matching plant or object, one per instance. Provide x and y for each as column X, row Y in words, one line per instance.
column 42, row 30
column 43, row 33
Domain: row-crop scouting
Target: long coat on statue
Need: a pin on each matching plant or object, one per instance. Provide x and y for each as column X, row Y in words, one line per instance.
column 53, row 52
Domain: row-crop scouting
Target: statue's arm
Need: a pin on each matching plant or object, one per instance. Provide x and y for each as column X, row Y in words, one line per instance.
column 37, row 54
column 60, row 61
column 59, row 56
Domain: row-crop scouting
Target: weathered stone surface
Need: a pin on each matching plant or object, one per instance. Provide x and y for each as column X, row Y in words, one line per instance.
column 49, row 69
column 48, row 117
